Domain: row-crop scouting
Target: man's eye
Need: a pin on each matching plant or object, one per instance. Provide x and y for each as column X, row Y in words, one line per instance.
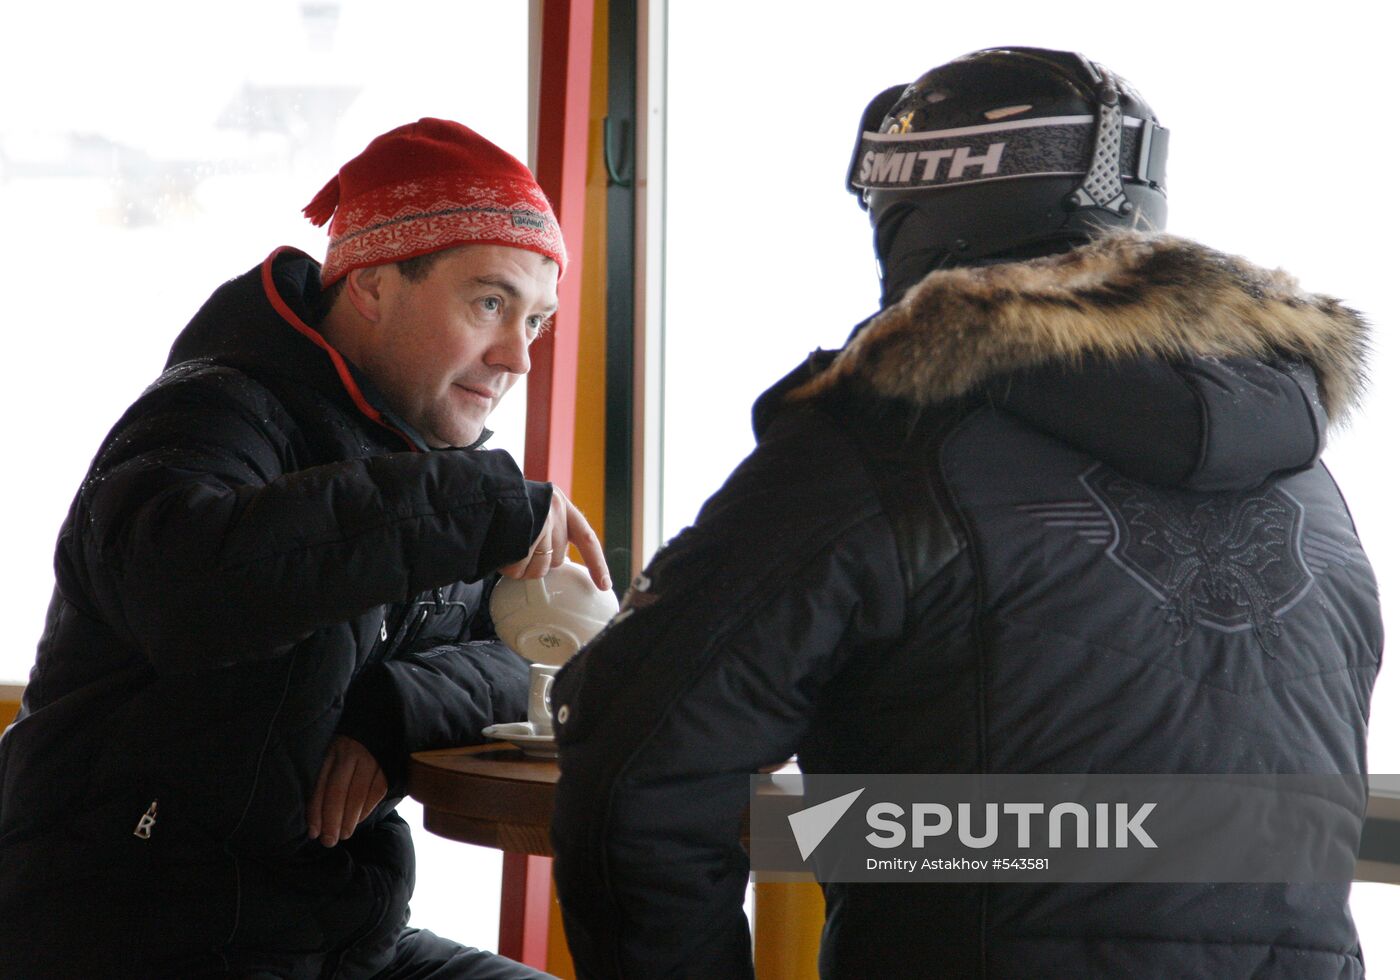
column 539, row 324
column 491, row 304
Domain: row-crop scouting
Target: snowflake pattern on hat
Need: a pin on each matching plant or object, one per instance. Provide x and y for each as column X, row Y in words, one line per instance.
column 443, row 213
column 427, row 186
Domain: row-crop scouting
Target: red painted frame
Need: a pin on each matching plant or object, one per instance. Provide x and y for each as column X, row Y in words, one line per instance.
column 566, row 54
column 566, row 57
column 524, row 930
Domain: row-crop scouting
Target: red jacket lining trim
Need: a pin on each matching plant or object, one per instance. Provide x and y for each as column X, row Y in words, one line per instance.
column 346, row 378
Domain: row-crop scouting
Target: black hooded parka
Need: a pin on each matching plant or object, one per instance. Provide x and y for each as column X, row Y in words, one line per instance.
column 261, row 557
column 1055, row 516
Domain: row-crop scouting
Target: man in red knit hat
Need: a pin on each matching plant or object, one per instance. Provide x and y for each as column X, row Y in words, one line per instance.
column 271, row 589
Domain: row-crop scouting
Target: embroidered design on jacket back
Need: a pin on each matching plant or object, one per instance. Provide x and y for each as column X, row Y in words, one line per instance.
column 1227, row 562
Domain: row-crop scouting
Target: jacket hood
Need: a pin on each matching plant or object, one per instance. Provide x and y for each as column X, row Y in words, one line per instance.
column 263, row 323
column 250, row 321
column 1122, row 295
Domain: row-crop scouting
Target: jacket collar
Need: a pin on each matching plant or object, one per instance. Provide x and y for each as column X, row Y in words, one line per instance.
column 245, row 325
column 365, row 399
column 1122, row 295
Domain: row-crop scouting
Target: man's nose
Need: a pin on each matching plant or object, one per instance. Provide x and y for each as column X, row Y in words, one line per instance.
column 511, row 352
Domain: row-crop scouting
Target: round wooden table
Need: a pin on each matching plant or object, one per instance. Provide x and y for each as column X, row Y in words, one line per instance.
column 493, row 795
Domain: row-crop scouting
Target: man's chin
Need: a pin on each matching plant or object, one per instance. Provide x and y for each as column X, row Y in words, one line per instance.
column 456, row 437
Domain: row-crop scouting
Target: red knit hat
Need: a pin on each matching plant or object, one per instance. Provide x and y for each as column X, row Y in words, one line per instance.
column 428, row 186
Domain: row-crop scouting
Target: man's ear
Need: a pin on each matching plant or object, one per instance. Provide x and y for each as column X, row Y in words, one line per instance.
column 364, row 288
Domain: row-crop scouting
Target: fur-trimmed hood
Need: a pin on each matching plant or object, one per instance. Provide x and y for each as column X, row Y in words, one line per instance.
column 1122, row 295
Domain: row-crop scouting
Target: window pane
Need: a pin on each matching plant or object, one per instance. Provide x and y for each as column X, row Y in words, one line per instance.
column 146, row 166
column 769, row 257
column 150, row 150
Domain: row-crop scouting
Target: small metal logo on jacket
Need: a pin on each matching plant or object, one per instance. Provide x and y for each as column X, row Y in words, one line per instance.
column 639, row 594
column 147, row 821
column 637, row 597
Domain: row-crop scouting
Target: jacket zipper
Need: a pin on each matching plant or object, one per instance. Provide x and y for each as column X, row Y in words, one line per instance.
column 388, row 637
column 403, row 633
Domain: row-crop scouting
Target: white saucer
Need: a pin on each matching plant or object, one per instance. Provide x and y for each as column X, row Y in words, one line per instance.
column 522, row 735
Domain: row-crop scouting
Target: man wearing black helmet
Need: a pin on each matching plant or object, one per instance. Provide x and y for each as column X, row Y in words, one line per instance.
column 1055, row 508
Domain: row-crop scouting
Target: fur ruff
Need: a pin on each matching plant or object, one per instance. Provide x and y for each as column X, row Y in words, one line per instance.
column 1123, row 295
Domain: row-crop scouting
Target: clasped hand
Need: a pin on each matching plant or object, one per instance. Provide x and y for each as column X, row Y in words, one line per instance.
column 350, row 786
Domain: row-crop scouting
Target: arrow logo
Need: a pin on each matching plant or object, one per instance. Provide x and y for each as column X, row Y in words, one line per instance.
column 810, row 826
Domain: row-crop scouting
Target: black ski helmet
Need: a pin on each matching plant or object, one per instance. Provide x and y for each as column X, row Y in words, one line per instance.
column 1005, row 152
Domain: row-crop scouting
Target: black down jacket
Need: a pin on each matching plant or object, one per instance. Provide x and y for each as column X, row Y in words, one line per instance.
column 261, row 557
column 1057, row 516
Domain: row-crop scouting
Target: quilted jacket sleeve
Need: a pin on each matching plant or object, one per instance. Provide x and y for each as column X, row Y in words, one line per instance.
column 432, row 699
column 196, row 543
column 711, row 671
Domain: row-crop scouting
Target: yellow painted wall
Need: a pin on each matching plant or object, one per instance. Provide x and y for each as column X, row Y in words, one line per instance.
column 9, row 703
column 589, row 422
column 788, row 918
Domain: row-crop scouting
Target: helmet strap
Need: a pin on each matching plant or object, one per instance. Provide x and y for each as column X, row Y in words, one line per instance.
column 907, row 250
column 1102, row 187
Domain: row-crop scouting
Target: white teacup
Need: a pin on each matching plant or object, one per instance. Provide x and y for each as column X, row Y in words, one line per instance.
column 548, row 620
column 539, row 711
